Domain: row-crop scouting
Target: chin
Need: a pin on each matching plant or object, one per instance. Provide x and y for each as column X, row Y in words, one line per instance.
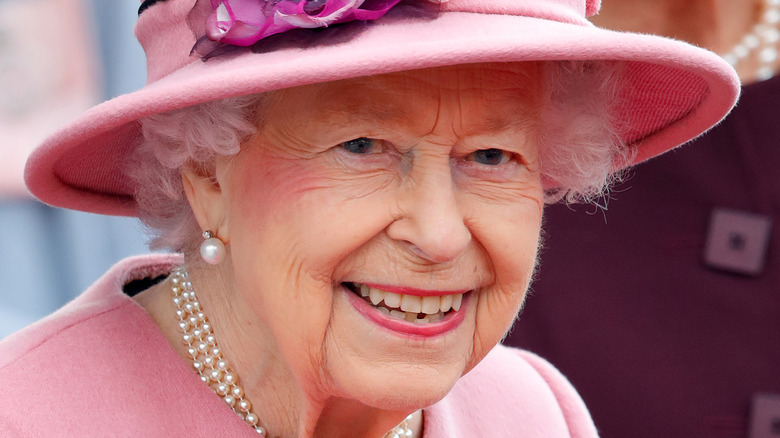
column 398, row 386
column 404, row 391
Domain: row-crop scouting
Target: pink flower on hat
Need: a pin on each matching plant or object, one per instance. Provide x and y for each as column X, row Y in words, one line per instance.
column 245, row 22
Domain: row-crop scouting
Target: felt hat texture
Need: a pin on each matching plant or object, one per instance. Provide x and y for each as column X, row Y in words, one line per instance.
column 670, row 91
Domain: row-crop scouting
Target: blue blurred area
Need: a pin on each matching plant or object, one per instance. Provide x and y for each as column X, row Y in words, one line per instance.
column 51, row 255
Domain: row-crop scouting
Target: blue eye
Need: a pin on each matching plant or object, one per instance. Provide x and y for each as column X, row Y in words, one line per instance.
column 489, row 157
column 360, row 145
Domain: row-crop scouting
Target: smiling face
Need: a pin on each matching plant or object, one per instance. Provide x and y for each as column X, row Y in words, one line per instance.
column 420, row 190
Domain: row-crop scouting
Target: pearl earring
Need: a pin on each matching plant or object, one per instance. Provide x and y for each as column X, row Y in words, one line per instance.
column 212, row 250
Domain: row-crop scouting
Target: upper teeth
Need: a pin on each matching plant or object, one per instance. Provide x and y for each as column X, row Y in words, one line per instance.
column 412, row 303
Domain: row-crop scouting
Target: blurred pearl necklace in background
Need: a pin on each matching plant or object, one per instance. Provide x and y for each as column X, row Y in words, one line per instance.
column 208, row 361
column 762, row 38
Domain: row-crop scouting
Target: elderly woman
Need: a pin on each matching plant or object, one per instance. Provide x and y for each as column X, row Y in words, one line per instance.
column 357, row 191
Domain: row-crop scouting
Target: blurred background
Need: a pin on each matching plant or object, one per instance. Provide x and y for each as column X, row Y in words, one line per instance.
column 663, row 309
column 57, row 58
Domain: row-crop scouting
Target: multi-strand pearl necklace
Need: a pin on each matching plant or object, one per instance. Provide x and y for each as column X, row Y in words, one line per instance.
column 210, row 363
column 763, row 37
column 202, row 348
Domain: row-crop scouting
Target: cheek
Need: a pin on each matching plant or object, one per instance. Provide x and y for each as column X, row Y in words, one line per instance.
column 270, row 188
column 295, row 220
column 291, row 226
column 510, row 237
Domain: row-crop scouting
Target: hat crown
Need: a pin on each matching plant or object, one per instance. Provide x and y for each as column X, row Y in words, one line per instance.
column 168, row 29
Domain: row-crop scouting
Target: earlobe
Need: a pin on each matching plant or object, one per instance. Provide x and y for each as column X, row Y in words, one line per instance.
column 207, row 201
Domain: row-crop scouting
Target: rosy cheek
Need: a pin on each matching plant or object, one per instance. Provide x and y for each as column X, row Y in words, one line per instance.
column 274, row 186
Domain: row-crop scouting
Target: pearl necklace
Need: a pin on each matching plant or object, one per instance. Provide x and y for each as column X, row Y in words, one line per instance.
column 210, row 363
column 764, row 36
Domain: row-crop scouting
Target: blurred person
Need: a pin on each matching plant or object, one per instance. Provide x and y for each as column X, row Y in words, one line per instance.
column 679, row 340
column 80, row 52
column 354, row 192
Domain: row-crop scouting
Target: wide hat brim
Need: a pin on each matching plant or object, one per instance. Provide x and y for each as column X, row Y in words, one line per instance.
column 672, row 91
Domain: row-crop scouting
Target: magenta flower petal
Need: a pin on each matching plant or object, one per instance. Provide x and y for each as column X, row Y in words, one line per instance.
column 245, row 22
column 295, row 14
column 238, row 22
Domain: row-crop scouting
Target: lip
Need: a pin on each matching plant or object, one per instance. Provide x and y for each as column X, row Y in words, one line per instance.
column 403, row 290
column 405, row 328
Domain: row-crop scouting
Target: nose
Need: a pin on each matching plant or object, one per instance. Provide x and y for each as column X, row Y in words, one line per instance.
column 430, row 220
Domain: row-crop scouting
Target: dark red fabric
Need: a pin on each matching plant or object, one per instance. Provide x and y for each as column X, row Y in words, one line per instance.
column 658, row 344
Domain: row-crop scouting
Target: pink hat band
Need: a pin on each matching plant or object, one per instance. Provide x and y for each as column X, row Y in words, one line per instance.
column 167, row 32
column 670, row 91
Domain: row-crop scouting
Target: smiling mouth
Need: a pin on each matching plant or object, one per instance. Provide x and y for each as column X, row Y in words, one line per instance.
column 411, row 308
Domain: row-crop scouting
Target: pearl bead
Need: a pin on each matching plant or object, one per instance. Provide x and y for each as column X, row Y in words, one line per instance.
column 186, row 338
column 768, row 55
column 184, row 326
column 205, row 327
column 231, row 379
column 215, row 375
column 765, row 73
column 212, row 251
column 237, row 392
column 772, row 16
column 771, row 36
column 230, row 400
column 244, row 406
column 211, row 340
column 177, row 301
column 751, row 41
column 260, row 430
column 251, row 419
column 197, row 333
column 209, row 361
column 193, row 353
column 216, row 352
column 197, row 365
column 222, row 389
column 222, row 364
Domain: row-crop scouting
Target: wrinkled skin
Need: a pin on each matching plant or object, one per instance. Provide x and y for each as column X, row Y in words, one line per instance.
column 417, row 206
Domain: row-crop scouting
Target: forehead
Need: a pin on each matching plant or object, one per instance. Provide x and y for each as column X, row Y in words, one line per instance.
column 488, row 95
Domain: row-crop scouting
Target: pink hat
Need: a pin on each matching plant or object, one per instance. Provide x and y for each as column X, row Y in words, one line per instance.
column 674, row 91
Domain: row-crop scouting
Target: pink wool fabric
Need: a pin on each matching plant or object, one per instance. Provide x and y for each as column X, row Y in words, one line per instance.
column 100, row 367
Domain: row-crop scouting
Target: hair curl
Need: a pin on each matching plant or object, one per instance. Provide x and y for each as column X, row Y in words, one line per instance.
column 580, row 145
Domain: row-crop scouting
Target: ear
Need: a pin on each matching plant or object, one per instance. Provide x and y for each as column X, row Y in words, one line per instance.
column 207, row 200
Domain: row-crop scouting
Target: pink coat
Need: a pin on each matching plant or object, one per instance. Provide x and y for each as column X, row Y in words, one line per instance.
column 100, row 367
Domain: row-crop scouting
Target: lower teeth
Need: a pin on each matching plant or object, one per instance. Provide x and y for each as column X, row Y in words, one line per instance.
column 411, row 317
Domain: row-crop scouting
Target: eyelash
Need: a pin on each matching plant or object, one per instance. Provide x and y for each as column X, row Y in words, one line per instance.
column 359, row 143
column 505, row 158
